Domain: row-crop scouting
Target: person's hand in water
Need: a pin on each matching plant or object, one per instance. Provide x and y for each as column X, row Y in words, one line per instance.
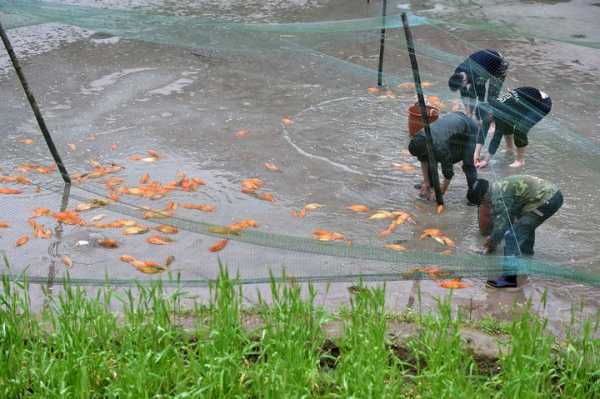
column 482, row 162
column 425, row 192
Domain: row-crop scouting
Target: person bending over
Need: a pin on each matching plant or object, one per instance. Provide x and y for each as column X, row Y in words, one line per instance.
column 454, row 137
column 471, row 77
column 517, row 205
column 514, row 114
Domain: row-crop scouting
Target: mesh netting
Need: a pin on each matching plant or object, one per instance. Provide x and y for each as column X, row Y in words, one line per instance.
column 183, row 85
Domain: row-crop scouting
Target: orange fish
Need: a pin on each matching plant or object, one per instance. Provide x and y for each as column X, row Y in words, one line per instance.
column 272, row 167
column 135, row 230
column 148, row 267
column 95, row 203
column 243, row 225
column 114, row 182
column 358, row 208
column 404, row 167
column 166, row 229
column 114, row 147
column 382, row 214
column 69, row 217
column 312, row 206
column 127, row 258
column 455, row 283
column 389, row 230
column 123, row 223
column 440, row 209
column 324, row 235
column 224, row 230
column 72, row 147
column 45, row 169
column 434, row 272
column 286, row 120
column 395, row 247
column 38, row 212
column 249, row 186
column 432, row 233
column 437, row 235
column 27, row 141
column 158, row 240
column 22, row 240
column 108, row 243
column 265, row 197
column 373, row 90
column 41, row 232
column 219, row 246
column 23, row 180
column 200, row 207
column 4, row 225
column 4, row 190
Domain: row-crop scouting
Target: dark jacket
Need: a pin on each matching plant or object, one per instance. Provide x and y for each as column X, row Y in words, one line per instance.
column 480, row 67
column 516, row 112
column 454, row 137
column 514, row 196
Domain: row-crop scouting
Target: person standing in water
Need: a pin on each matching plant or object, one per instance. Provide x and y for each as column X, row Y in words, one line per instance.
column 454, row 138
column 514, row 114
column 511, row 210
column 471, row 76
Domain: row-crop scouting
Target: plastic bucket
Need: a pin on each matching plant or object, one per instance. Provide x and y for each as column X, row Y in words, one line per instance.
column 415, row 123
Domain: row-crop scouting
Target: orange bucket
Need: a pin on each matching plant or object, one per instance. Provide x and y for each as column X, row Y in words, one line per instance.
column 415, row 123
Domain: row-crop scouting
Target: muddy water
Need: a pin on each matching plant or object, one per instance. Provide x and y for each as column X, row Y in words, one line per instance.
column 187, row 103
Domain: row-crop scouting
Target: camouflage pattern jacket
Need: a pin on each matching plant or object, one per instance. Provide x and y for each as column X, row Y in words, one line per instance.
column 514, row 196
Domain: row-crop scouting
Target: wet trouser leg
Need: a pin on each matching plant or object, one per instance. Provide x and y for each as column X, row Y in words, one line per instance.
column 527, row 245
column 521, row 238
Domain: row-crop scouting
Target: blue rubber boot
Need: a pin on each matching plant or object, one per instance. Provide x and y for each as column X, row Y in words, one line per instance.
column 503, row 282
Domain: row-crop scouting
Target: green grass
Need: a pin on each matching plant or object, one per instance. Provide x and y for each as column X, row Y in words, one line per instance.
column 79, row 347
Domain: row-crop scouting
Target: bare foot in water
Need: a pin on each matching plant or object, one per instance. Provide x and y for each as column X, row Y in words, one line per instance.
column 517, row 164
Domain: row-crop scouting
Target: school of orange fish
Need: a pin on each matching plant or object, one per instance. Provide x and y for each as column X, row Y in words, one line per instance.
column 154, row 190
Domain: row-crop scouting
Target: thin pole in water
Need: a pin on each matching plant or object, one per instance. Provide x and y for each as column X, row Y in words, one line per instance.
column 381, row 46
column 34, row 106
column 433, row 168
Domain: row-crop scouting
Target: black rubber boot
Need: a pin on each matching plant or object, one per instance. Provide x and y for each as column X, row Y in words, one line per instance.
column 503, row 282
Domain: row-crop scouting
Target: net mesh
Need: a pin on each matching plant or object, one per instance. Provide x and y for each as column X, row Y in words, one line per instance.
column 316, row 73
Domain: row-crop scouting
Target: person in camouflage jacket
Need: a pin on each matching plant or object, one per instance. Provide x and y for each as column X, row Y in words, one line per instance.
column 518, row 205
